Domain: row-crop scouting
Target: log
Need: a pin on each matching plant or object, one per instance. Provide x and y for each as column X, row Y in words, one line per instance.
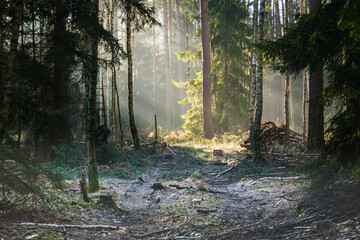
column 89, row 227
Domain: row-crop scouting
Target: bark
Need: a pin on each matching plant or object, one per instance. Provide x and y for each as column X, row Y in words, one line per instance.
column 316, row 112
column 271, row 29
column 253, row 78
column 278, row 23
column 167, row 66
column 154, row 61
column 9, row 77
column 133, row 128
column 259, row 87
column 205, row 39
column 302, row 7
column 92, row 169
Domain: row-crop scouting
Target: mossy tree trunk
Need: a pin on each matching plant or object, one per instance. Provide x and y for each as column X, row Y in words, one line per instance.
column 92, row 168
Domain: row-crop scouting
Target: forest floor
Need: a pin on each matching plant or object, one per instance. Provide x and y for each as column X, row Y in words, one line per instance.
column 181, row 196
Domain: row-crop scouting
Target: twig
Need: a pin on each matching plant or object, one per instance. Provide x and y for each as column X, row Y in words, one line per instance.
column 227, row 170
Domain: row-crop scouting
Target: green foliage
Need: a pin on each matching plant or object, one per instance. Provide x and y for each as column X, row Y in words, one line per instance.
column 194, row 115
column 23, row 180
column 230, row 43
column 71, row 155
column 197, row 175
column 190, row 160
column 108, row 154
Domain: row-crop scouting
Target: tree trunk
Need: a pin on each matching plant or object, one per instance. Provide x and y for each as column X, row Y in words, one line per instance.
column 9, row 77
column 154, row 61
column 187, row 40
column 167, row 66
column 253, row 78
column 316, row 112
column 259, row 88
column 179, row 49
column 92, row 170
column 103, row 100
column 205, row 39
column 133, row 129
column 119, row 116
column 173, row 95
column 278, row 24
column 271, row 29
column 286, row 108
column 304, row 106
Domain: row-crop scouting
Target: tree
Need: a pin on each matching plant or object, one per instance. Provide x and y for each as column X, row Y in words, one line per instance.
column 138, row 14
column 316, row 111
column 167, row 65
column 205, row 39
column 229, row 42
column 92, row 169
column 259, row 86
column 253, row 78
column 133, row 128
column 9, row 77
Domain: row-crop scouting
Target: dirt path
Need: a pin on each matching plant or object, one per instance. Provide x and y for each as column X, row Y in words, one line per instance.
column 195, row 203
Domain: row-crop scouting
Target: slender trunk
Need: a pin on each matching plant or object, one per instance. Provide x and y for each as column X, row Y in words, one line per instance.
column 11, row 61
column 167, row 66
column 259, row 87
column 119, row 116
column 205, row 39
column 103, row 100
column 286, row 108
column 133, row 129
column 304, row 106
column 92, row 168
column 179, row 49
column 277, row 14
column 271, row 29
column 173, row 95
column 187, row 40
column 253, row 78
column 113, row 79
column 154, row 62
column 316, row 112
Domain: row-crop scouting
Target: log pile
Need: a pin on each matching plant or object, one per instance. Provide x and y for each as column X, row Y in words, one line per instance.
column 272, row 135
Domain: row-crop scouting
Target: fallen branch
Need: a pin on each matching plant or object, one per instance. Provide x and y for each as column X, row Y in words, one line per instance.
column 227, row 170
column 90, row 227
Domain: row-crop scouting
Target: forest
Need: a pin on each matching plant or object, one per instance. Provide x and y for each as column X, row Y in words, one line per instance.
column 180, row 119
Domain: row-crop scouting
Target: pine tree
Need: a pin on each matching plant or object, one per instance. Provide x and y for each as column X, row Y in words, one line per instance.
column 205, row 38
